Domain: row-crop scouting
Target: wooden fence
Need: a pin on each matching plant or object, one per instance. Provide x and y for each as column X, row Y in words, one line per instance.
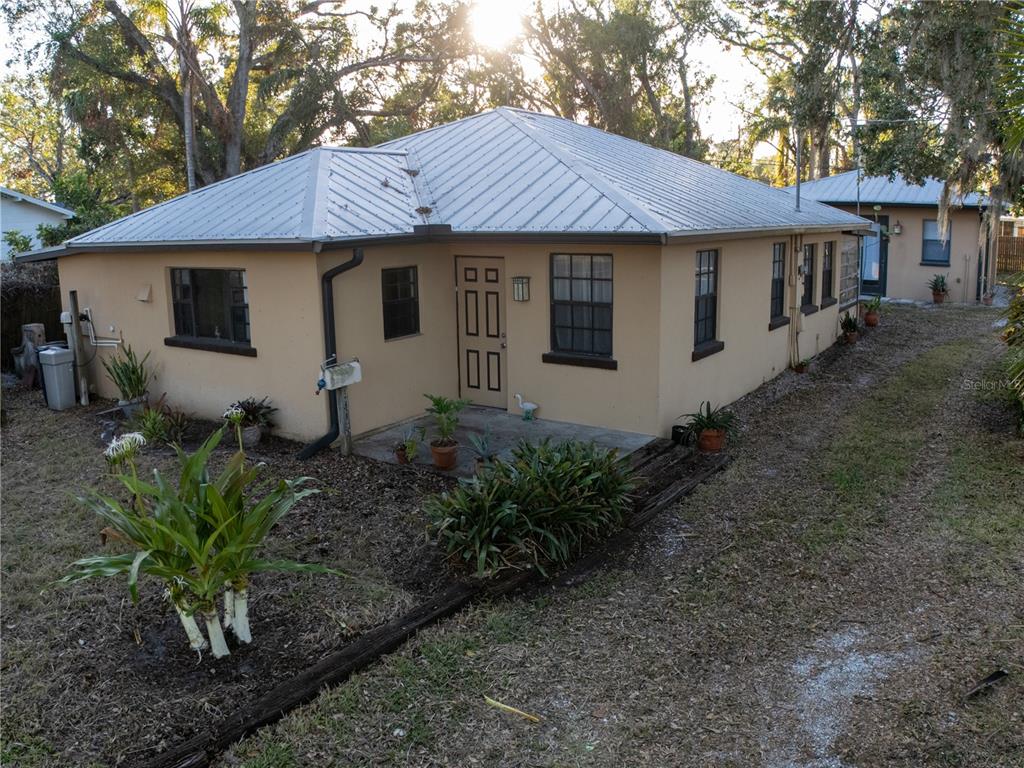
column 1011, row 255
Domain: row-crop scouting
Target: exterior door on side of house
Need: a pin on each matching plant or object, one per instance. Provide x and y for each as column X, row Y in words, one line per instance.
column 481, row 310
column 874, row 258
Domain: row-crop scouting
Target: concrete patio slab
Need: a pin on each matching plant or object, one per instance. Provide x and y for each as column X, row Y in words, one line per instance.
column 506, row 430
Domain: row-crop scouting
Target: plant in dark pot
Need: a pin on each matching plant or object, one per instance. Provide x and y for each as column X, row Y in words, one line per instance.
column 937, row 285
column 408, row 448
column 871, row 308
column 710, row 426
column 802, row 366
column 482, row 448
column 443, row 448
column 850, row 327
column 254, row 417
column 131, row 378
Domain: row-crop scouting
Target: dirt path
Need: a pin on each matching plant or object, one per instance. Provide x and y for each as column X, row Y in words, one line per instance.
column 825, row 603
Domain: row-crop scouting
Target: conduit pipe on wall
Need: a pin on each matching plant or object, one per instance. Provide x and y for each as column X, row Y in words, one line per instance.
column 331, row 348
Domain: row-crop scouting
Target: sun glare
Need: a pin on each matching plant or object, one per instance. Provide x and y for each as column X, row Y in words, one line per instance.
column 496, row 23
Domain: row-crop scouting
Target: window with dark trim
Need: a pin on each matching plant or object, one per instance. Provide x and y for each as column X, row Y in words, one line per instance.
column 705, row 310
column 935, row 250
column 808, row 295
column 581, row 304
column 828, row 272
column 211, row 304
column 778, row 281
column 401, row 298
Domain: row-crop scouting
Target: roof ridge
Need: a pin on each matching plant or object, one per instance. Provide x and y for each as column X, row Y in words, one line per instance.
column 312, row 206
column 592, row 177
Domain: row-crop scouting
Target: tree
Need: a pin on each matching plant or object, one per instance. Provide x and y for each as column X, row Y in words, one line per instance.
column 269, row 79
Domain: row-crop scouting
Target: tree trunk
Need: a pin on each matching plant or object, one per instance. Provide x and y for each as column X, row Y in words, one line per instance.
column 189, row 127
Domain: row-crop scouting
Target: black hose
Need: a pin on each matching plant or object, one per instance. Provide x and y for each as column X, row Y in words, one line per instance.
column 330, row 349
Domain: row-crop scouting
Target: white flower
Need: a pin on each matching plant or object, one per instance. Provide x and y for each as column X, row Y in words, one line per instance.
column 234, row 414
column 124, row 447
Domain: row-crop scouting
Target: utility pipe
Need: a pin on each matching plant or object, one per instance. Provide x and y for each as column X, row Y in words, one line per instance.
column 331, row 348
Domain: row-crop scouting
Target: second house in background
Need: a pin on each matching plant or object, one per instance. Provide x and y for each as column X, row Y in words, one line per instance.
column 908, row 247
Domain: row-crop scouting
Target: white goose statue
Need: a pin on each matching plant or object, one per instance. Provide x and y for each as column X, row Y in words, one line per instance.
column 526, row 407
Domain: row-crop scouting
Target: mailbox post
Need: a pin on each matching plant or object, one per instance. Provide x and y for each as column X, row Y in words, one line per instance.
column 336, row 378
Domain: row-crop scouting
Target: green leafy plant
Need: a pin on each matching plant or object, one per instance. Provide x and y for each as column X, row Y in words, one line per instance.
column 445, row 411
column 541, row 507
column 410, row 443
column 176, row 424
column 255, row 413
column 874, row 304
column 848, row 323
column 706, row 417
column 1013, row 335
column 128, row 373
column 152, row 424
column 482, row 445
column 199, row 536
column 938, row 284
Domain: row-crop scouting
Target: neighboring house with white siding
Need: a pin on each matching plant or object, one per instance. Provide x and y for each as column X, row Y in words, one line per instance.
column 24, row 213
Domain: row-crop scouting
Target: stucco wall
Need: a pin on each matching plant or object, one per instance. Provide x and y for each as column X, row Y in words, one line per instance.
column 907, row 277
column 753, row 354
column 397, row 372
column 284, row 309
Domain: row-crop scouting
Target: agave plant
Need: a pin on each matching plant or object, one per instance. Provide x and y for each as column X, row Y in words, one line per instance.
column 200, row 535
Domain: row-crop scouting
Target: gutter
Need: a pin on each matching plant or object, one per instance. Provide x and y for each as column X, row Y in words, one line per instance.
column 331, row 347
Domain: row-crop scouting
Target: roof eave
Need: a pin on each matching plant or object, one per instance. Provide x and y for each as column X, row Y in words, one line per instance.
column 738, row 233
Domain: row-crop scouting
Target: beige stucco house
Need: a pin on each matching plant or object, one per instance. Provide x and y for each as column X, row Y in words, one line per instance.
column 907, row 246
column 612, row 283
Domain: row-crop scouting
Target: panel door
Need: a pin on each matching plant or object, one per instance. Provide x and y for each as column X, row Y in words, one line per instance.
column 481, row 309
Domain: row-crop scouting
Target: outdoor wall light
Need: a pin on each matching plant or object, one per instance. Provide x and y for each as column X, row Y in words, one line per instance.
column 897, row 228
column 520, row 289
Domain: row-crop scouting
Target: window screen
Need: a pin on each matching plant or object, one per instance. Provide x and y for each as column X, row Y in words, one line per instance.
column 400, row 293
column 581, row 303
column 211, row 304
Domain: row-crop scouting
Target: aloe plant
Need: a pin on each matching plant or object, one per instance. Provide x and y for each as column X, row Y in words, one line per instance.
column 200, row 535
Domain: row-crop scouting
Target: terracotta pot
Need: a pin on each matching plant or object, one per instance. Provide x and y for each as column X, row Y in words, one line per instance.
column 938, row 297
column 251, row 436
column 800, row 368
column 851, row 337
column 445, row 456
column 870, row 319
column 986, row 300
column 711, row 440
column 401, row 455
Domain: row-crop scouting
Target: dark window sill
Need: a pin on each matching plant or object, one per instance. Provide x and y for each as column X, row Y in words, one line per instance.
column 828, row 302
column 808, row 309
column 583, row 361
column 210, row 345
column 403, row 336
column 777, row 322
column 706, row 349
column 934, row 264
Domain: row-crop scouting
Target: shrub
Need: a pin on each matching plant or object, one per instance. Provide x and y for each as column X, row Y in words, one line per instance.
column 1013, row 335
column 151, row 424
column 200, row 537
column 542, row 507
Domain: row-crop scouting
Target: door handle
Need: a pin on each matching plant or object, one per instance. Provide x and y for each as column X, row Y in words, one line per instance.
column 504, row 345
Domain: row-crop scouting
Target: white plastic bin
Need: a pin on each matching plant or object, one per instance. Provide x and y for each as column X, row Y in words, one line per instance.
column 58, row 366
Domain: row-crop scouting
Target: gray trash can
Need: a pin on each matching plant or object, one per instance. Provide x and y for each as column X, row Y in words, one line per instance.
column 58, row 366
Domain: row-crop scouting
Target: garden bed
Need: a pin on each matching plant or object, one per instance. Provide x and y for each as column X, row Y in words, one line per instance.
column 89, row 677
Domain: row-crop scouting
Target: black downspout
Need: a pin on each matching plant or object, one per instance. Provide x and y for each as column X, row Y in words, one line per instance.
column 330, row 349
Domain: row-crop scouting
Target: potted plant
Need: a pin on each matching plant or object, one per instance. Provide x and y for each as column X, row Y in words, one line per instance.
column 131, row 378
column 482, row 448
column 253, row 416
column 938, row 287
column 850, row 328
column 802, row 366
column 710, row 426
column 444, row 448
column 871, row 308
column 986, row 299
column 408, row 448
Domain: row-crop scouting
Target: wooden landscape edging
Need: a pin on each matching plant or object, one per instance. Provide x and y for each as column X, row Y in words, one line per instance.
column 654, row 460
